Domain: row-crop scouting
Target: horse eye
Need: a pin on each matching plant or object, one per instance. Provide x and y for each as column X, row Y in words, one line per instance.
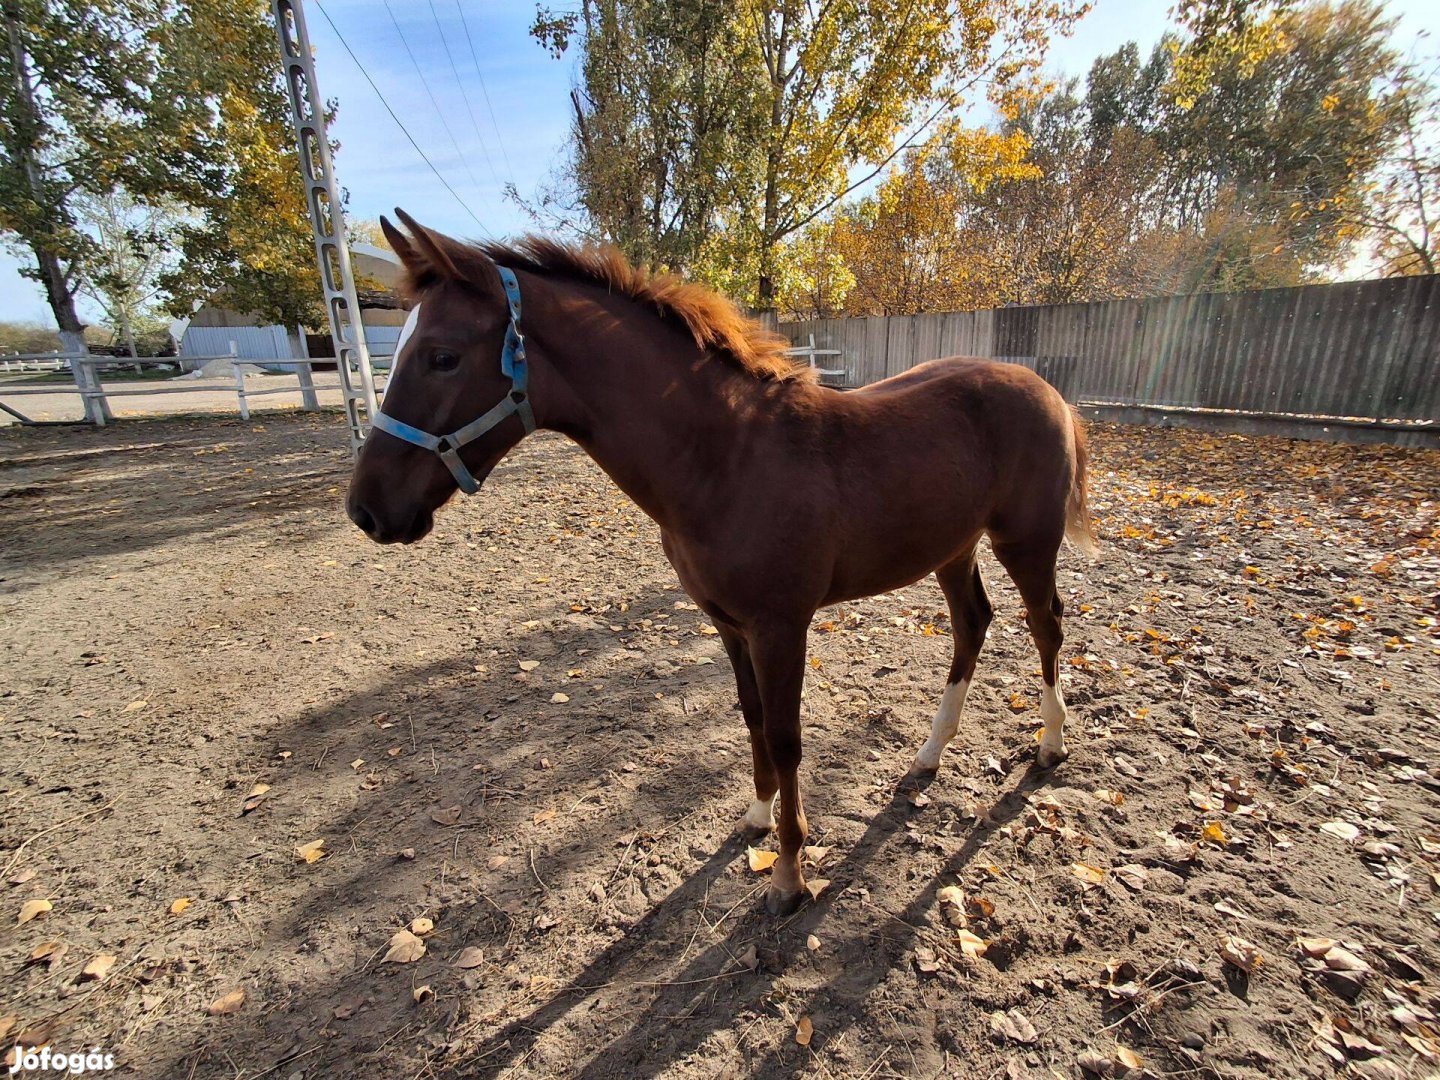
column 444, row 361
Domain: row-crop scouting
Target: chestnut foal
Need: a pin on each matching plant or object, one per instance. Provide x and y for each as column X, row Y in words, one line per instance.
column 774, row 496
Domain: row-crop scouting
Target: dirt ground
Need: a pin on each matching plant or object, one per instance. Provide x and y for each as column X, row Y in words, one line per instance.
column 523, row 732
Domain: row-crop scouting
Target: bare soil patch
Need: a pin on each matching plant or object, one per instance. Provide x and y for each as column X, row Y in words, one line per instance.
column 523, row 732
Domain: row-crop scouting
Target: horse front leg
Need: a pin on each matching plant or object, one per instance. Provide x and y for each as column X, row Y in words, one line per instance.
column 777, row 654
column 760, row 818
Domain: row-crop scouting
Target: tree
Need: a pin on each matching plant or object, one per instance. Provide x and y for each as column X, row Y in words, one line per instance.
column 662, row 121
column 236, row 165
column 1400, row 211
column 130, row 251
column 169, row 101
column 72, row 93
column 1290, row 137
column 27, row 337
column 817, row 99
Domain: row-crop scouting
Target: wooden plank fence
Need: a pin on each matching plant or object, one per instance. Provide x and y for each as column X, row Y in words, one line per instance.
column 1358, row 360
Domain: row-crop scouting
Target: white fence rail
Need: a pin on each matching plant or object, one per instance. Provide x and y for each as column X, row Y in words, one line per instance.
column 96, row 397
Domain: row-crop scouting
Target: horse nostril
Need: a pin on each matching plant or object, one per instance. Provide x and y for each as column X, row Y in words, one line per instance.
column 362, row 519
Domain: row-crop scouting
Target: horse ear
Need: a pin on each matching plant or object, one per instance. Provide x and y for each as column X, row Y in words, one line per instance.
column 432, row 247
column 400, row 244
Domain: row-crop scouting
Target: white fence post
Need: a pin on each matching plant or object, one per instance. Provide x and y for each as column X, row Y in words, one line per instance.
column 309, row 401
column 239, row 383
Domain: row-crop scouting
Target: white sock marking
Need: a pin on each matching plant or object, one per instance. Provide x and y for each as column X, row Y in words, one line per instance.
column 761, row 814
column 1052, row 711
column 944, row 726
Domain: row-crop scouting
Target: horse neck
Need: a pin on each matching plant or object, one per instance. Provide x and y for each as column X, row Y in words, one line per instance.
column 660, row 416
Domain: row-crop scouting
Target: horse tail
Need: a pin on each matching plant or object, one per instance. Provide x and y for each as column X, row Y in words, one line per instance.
column 1079, row 529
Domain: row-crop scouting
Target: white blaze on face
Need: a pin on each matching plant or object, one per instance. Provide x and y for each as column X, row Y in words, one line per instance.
column 411, row 321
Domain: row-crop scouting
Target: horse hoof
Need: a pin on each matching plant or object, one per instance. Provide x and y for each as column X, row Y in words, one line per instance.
column 1049, row 759
column 781, row 902
column 919, row 775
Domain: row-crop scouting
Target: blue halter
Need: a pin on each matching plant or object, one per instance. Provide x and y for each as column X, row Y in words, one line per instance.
column 516, row 402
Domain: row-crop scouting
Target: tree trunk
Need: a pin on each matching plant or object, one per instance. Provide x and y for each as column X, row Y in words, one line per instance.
column 127, row 332
column 26, row 131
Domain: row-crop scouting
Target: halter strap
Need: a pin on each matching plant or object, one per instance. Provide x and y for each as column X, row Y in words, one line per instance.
column 514, row 403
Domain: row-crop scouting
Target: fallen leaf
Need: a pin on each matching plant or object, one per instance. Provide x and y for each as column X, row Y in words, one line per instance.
column 815, row 886
column 1128, row 1058
column 405, row 948
column 180, row 905
column 135, row 706
column 254, row 799
column 421, row 926
column 33, row 909
column 49, row 951
column 812, row 942
column 1241, row 953
column 559, row 699
column 543, row 816
column 1225, row 907
column 312, row 852
column 227, row 1004
column 814, row 854
column 22, row 877
column 496, row 861
column 98, row 966
column 749, row 958
column 1316, row 947
column 529, row 665
column 952, row 905
column 1013, row 1025
column 1089, row 876
column 449, row 815
column 1132, row 875
column 1214, row 833
column 357, row 763
column 1342, row 829
column 422, row 994
column 470, row 957
column 760, row 861
column 804, row 1031
column 971, row 945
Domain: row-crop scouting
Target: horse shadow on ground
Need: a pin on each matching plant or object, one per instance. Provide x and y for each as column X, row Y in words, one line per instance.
column 371, row 888
column 361, row 903
column 652, row 1041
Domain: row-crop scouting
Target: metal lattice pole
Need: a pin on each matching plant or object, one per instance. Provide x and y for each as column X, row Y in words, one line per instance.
column 327, row 218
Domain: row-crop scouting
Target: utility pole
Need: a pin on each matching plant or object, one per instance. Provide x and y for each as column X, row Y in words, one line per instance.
column 327, row 218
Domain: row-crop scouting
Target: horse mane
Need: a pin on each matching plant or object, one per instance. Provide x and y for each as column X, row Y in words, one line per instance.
column 712, row 320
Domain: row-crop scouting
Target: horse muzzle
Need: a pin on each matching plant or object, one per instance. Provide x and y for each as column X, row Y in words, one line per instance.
column 386, row 530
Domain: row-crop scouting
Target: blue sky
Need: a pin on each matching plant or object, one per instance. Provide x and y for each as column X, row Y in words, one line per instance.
column 529, row 95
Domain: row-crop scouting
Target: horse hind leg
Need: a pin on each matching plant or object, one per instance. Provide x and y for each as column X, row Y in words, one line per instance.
column 1033, row 571
column 970, row 614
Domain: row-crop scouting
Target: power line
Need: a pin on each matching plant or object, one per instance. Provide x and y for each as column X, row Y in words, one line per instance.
column 433, row 100
column 464, row 94
column 406, row 131
column 510, row 169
